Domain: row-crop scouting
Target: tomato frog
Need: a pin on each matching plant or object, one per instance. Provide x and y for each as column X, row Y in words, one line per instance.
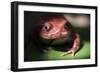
column 58, row 27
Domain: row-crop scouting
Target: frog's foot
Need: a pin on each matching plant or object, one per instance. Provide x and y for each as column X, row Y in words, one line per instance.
column 69, row 52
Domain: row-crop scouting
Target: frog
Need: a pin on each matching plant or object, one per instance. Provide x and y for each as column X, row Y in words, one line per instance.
column 58, row 27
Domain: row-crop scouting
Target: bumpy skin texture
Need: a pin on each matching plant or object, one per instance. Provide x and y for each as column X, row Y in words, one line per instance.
column 54, row 28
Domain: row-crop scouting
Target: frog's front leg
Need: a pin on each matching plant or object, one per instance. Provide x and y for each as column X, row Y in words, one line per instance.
column 75, row 47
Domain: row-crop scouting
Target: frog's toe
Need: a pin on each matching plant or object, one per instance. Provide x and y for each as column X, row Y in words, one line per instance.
column 66, row 53
column 73, row 54
column 69, row 52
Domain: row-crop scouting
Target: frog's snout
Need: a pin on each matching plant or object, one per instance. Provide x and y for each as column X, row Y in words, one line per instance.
column 55, row 35
column 50, row 36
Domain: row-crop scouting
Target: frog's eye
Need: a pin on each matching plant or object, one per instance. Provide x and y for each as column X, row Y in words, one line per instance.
column 68, row 26
column 47, row 27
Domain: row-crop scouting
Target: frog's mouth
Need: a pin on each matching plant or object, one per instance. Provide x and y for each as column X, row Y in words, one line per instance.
column 60, row 40
column 55, row 36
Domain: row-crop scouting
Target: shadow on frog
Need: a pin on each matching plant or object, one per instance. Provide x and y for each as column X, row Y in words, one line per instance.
column 64, row 47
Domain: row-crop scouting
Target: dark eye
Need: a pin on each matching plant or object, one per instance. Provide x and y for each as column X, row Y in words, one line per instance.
column 68, row 26
column 47, row 27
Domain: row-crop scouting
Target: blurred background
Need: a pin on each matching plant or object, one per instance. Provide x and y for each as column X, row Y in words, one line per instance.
column 33, row 49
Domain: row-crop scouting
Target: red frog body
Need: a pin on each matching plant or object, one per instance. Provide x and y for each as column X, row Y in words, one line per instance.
column 54, row 28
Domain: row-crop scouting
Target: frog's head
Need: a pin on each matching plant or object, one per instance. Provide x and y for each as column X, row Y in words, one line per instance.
column 55, row 27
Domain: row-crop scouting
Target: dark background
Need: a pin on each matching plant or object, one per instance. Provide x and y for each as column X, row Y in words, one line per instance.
column 32, row 51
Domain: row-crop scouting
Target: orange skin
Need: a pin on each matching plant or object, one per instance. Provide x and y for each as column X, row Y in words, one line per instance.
column 54, row 29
